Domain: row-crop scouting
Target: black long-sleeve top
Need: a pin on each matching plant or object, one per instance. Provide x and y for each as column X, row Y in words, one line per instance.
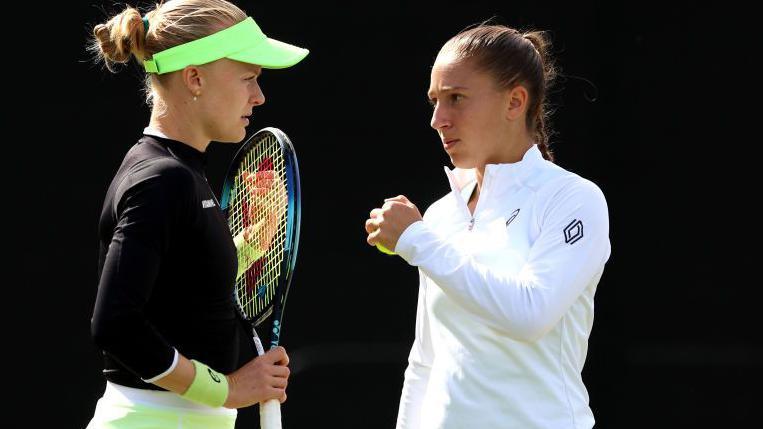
column 167, row 266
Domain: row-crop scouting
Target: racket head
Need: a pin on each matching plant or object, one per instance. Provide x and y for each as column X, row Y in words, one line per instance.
column 263, row 287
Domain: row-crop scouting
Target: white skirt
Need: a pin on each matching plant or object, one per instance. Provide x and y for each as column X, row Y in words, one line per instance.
column 124, row 407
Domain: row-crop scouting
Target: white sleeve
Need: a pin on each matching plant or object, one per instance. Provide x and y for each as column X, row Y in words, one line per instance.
column 569, row 253
column 419, row 364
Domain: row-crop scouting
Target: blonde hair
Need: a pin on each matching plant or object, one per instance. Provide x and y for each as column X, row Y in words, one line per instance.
column 171, row 23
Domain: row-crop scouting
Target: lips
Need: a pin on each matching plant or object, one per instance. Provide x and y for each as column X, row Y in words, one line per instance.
column 449, row 142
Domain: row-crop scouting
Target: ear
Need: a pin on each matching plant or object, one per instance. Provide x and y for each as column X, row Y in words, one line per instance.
column 517, row 105
column 193, row 79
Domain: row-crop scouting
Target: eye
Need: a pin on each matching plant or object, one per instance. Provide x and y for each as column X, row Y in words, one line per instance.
column 455, row 98
column 432, row 102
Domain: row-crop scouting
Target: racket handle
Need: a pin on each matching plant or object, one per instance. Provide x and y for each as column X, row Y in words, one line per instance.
column 258, row 345
column 270, row 414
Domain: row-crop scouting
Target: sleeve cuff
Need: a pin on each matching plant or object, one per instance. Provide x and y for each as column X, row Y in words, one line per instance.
column 406, row 244
column 167, row 371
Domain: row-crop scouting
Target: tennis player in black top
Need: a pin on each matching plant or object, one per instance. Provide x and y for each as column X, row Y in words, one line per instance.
column 164, row 314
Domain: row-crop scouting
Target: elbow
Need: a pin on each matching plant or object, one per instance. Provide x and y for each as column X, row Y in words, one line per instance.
column 98, row 334
column 528, row 330
column 103, row 333
column 533, row 318
column 529, row 334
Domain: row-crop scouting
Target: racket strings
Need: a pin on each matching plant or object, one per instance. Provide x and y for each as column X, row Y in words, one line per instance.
column 258, row 210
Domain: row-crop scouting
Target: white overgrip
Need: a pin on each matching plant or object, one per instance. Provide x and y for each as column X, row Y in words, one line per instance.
column 270, row 414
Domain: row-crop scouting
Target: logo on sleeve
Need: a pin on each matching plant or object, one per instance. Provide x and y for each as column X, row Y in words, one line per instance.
column 573, row 232
column 208, row 204
column 512, row 217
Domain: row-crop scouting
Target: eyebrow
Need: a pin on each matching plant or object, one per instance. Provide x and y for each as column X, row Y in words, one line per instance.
column 447, row 89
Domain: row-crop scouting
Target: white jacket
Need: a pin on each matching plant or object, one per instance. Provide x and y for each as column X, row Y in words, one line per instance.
column 505, row 303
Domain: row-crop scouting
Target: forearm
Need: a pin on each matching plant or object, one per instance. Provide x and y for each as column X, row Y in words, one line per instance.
column 119, row 325
column 196, row 382
column 524, row 305
column 180, row 378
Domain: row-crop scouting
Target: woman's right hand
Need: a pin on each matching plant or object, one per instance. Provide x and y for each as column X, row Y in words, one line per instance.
column 262, row 378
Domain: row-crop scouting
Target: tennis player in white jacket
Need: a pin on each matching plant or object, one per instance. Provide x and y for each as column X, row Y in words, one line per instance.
column 509, row 260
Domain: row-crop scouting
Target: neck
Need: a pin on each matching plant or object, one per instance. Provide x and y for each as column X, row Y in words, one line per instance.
column 513, row 153
column 174, row 123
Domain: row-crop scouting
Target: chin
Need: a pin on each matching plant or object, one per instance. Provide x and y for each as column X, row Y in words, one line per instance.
column 461, row 162
column 232, row 137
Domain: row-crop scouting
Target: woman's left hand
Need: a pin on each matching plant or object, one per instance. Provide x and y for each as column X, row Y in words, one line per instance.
column 386, row 224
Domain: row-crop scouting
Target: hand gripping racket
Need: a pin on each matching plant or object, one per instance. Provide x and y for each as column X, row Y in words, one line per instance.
column 261, row 201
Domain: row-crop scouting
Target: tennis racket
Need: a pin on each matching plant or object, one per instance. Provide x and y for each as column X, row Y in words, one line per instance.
column 261, row 202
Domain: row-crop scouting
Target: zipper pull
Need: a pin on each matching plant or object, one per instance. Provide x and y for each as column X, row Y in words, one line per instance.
column 471, row 223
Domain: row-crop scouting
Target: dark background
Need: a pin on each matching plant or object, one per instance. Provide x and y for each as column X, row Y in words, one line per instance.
column 676, row 341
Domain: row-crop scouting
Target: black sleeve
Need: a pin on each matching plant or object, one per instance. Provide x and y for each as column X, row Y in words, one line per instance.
column 149, row 207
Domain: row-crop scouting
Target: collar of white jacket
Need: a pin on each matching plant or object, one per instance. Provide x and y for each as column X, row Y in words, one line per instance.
column 516, row 171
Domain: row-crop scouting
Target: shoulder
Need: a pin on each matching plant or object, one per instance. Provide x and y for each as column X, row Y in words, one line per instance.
column 161, row 179
column 554, row 182
column 147, row 161
column 560, row 192
column 167, row 169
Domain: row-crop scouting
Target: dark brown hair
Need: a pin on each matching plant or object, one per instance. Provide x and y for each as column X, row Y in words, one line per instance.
column 513, row 58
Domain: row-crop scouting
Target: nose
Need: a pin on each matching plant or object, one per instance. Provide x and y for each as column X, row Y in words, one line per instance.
column 440, row 118
column 256, row 97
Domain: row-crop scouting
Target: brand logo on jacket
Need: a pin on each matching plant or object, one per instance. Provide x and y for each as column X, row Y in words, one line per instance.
column 512, row 217
column 573, row 232
column 208, row 204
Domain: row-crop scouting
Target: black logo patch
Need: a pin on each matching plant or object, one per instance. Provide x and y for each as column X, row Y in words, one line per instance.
column 573, row 232
column 213, row 375
column 512, row 217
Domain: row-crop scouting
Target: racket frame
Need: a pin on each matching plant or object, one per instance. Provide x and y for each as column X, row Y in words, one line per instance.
column 270, row 412
column 293, row 220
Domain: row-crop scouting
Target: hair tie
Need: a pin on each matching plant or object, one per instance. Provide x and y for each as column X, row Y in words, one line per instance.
column 145, row 24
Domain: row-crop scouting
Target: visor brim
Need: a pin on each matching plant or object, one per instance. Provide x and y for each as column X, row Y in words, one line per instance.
column 271, row 54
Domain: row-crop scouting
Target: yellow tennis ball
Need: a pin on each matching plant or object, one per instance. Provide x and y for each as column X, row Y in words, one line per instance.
column 384, row 249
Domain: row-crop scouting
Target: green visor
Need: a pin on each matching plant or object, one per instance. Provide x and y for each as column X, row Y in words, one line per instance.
column 243, row 42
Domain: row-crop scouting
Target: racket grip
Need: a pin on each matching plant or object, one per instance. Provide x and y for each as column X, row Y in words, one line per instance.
column 270, row 414
column 258, row 346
